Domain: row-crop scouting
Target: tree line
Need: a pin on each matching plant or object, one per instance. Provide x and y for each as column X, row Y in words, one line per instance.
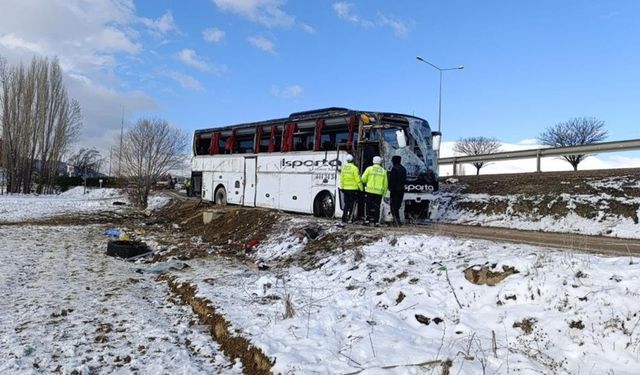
column 577, row 131
column 39, row 122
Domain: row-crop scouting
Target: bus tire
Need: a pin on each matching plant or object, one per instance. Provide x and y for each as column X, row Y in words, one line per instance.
column 126, row 249
column 220, row 197
column 324, row 205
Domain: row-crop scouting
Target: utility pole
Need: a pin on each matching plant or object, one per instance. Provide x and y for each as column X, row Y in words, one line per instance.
column 120, row 149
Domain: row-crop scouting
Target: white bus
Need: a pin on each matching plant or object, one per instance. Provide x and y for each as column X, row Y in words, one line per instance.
column 293, row 163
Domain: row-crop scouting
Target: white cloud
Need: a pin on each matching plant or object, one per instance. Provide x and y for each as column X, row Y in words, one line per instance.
column 112, row 39
column 186, row 81
column 90, row 39
column 12, row 41
column 288, row 92
column 307, row 28
column 265, row 12
column 161, row 25
column 84, row 35
column 213, row 35
column 399, row 27
column 191, row 58
column 262, row 43
column 345, row 10
column 102, row 109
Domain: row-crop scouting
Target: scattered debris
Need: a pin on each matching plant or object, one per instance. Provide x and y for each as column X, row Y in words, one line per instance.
column 526, row 325
column 581, row 275
column 576, row 324
column 112, row 232
column 400, row 298
column 126, row 249
column 482, row 275
column 423, row 319
column 164, row 267
column 311, row 232
column 251, row 245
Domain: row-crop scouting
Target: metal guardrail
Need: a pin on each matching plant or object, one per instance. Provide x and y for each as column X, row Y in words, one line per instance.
column 538, row 153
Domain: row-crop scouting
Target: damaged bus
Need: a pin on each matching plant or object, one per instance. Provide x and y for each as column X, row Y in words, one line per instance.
column 293, row 163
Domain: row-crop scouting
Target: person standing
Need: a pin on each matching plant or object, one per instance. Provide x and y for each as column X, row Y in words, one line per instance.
column 397, row 179
column 375, row 178
column 350, row 184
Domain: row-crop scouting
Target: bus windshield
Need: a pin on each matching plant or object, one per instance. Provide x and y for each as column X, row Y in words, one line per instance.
column 412, row 153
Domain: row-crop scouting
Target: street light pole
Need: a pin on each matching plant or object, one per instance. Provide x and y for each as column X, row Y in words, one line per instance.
column 440, row 92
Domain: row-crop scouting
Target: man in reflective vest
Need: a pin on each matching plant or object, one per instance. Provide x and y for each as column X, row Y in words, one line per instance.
column 350, row 184
column 375, row 179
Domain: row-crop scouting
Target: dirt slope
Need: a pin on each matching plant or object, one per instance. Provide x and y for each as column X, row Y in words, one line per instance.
column 596, row 196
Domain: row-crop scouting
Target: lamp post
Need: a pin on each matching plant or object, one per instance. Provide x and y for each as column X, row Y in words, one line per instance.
column 440, row 93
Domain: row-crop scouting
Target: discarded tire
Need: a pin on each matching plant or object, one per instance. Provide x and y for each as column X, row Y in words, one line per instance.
column 126, row 249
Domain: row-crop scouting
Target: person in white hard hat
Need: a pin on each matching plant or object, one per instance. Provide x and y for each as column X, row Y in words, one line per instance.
column 375, row 179
column 350, row 184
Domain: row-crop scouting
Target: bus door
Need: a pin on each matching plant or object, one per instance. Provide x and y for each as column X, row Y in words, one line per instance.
column 249, row 182
column 365, row 153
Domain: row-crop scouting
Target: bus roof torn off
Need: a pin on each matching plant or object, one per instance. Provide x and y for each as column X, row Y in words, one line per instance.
column 292, row 163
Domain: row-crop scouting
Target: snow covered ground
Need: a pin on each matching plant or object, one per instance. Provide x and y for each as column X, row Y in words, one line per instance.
column 614, row 226
column 67, row 307
column 26, row 207
column 508, row 212
column 74, row 201
column 402, row 305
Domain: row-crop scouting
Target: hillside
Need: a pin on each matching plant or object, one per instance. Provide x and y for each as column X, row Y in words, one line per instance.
column 604, row 202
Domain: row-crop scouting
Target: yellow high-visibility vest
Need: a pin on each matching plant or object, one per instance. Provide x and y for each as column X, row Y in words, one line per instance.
column 350, row 177
column 375, row 177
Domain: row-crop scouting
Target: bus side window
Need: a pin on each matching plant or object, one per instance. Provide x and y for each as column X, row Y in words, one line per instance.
column 202, row 145
column 302, row 142
column 244, row 144
column 342, row 138
column 264, row 140
column 328, row 142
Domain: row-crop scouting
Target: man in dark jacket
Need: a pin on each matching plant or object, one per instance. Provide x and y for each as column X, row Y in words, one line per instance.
column 397, row 179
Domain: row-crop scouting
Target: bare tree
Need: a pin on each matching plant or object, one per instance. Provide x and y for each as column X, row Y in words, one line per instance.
column 149, row 150
column 85, row 162
column 39, row 122
column 575, row 132
column 477, row 146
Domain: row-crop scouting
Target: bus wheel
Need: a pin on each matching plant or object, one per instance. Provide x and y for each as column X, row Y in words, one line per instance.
column 221, row 196
column 323, row 205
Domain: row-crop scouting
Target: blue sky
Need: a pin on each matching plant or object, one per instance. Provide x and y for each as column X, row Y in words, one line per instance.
column 204, row 63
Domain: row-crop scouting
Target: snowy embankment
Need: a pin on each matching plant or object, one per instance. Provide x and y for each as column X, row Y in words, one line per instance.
column 18, row 207
column 401, row 304
column 68, row 308
column 405, row 304
column 611, row 209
